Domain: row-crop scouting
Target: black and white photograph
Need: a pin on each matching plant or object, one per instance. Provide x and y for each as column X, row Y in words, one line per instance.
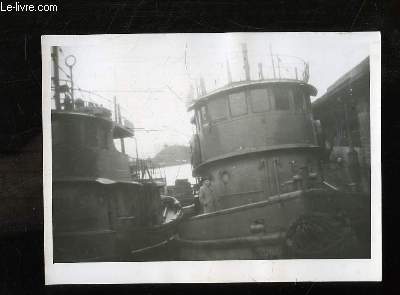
column 200, row 157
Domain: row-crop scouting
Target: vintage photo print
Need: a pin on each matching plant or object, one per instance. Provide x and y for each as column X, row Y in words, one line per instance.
column 232, row 157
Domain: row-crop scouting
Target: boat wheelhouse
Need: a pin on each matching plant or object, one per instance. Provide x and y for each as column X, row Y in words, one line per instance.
column 99, row 212
column 257, row 142
column 252, row 138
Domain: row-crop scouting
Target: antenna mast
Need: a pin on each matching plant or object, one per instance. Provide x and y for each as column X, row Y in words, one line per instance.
column 272, row 60
column 56, row 78
column 228, row 69
column 245, row 61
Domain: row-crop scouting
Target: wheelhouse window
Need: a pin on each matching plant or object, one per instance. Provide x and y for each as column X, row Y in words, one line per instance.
column 260, row 100
column 217, row 109
column 237, row 104
column 282, row 98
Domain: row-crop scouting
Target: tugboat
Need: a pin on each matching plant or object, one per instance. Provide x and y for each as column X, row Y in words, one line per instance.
column 99, row 212
column 256, row 142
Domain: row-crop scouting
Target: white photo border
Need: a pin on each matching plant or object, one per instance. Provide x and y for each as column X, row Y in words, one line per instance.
column 215, row 271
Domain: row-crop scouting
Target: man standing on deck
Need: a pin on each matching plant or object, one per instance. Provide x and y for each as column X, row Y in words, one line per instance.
column 206, row 197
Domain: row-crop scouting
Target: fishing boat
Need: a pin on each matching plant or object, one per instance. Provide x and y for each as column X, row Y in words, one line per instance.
column 99, row 212
column 256, row 140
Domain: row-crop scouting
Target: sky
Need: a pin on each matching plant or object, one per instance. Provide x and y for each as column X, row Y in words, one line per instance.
column 151, row 75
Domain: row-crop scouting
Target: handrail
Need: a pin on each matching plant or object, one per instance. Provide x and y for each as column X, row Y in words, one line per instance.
column 275, row 67
column 91, row 106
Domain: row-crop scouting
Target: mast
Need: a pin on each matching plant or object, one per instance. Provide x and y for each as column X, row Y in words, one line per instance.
column 279, row 66
column 56, row 78
column 203, row 90
column 228, row 69
column 260, row 71
column 246, row 61
column 115, row 109
column 272, row 60
column 72, row 85
column 120, row 122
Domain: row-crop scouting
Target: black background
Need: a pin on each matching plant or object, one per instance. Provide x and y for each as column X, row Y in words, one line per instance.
column 21, row 260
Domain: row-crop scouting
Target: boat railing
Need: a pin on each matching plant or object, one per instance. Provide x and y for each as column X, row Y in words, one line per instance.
column 240, row 71
column 98, row 106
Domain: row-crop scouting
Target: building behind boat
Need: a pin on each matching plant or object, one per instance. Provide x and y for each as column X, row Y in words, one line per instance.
column 344, row 114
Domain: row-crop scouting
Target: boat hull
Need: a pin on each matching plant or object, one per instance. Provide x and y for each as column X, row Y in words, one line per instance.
column 271, row 229
column 88, row 224
column 125, row 244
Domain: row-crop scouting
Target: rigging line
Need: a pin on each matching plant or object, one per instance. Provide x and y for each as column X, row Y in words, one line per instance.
column 94, row 93
column 62, row 70
column 176, row 95
column 133, row 91
column 90, row 95
column 169, row 129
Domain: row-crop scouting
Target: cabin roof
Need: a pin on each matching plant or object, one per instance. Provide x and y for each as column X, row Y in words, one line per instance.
column 244, row 84
column 105, row 181
column 349, row 78
column 120, row 130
